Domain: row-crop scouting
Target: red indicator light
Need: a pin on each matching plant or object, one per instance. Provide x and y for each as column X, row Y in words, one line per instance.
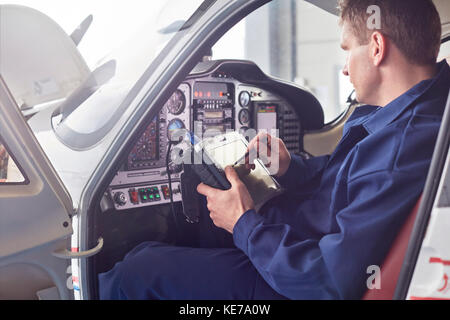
column 166, row 192
column 196, row 94
column 134, row 196
column 201, row 94
column 209, row 94
column 221, row 93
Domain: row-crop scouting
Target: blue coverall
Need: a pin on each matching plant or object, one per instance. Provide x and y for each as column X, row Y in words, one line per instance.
column 339, row 216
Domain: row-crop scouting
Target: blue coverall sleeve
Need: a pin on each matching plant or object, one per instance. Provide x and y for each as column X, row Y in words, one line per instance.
column 302, row 171
column 334, row 266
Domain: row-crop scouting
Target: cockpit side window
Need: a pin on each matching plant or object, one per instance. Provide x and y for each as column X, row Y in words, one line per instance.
column 10, row 172
column 444, row 52
column 297, row 42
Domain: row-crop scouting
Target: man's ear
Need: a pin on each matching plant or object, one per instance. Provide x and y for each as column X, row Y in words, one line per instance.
column 378, row 47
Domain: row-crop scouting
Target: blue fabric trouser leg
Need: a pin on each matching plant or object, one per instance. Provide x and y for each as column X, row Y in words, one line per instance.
column 216, row 270
column 155, row 270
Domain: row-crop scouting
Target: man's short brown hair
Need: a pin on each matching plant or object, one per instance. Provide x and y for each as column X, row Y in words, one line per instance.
column 413, row 26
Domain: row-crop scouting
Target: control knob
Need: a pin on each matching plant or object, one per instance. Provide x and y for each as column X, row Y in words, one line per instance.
column 120, row 198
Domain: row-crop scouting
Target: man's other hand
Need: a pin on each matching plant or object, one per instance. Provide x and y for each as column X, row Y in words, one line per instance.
column 227, row 206
column 272, row 151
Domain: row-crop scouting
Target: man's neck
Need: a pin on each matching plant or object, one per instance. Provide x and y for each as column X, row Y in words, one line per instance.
column 402, row 78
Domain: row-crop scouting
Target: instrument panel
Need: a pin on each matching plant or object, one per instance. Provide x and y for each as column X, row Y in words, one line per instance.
column 208, row 105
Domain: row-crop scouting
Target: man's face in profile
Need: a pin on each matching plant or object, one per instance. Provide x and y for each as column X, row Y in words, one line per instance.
column 358, row 65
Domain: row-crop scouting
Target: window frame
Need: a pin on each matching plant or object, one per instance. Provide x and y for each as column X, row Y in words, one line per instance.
column 25, row 181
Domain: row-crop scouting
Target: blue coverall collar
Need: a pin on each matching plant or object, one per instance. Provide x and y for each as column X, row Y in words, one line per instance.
column 386, row 115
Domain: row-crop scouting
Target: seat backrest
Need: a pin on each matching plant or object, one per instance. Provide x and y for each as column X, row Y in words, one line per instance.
column 390, row 269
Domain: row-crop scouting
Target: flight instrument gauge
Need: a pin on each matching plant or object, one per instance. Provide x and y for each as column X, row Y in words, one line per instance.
column 244, row 116
column 244, row 98
column 176, row 103
column 146, row 149
column 174, row 132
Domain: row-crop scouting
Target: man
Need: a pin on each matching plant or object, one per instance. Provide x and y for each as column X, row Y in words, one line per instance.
column 341, row 212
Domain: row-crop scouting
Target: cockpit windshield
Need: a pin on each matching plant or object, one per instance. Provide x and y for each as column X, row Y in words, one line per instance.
column 89, row 113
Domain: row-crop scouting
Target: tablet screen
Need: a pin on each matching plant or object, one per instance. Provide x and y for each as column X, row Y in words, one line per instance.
column 226, row 152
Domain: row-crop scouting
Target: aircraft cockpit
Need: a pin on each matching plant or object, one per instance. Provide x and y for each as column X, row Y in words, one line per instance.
column 215, row 98
column 103, row 135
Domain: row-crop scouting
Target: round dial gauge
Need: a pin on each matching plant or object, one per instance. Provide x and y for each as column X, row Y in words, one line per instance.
column 146, row 147
column 172, row 128
column 244, row 116
column 176, row 103
column 244, row 98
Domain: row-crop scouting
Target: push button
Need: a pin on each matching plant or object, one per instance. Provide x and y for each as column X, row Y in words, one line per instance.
column 143, row 195
column 148, row 194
